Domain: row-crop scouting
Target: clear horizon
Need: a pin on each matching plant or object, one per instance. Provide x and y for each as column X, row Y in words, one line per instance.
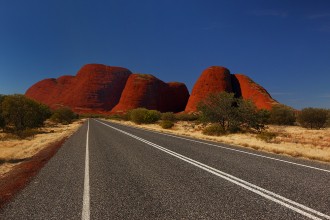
column 282, row 45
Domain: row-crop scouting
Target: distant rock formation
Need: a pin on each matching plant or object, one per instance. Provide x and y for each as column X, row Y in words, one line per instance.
column 218, row 79
column 145, row 90
column 95, row 89
column 213, row 79
column 248, row 89
column 103, row 89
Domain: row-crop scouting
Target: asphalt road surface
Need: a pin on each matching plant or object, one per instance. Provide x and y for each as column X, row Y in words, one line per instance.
column 111, row 171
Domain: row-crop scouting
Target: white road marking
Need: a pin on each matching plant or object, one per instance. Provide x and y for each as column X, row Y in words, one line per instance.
column 240, row 151
column 297, row 207
column 85, row 215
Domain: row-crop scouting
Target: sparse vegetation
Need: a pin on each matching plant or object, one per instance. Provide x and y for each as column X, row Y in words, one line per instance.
column 168, row 116
column 186, row 117
column 144, row 116
column 63, row 116
column 166, row 124
column 230, row 113
column 313, row 118
column 19, row 113
column 282, row 115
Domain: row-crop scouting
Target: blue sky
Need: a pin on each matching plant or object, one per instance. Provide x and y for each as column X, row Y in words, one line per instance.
column 283, row 45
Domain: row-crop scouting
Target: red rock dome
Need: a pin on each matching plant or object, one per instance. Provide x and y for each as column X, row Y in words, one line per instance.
column 147, row 91
column 248, row 89
column 213, row 79
column 95, row 89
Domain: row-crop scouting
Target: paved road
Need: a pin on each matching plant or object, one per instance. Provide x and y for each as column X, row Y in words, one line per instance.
column 110, row 171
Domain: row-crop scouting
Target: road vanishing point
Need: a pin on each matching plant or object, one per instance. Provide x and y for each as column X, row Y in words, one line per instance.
column 111, row 171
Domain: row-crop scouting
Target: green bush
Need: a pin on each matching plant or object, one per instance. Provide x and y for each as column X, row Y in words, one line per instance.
column 166, row 124
column 231, row 113
column 214, row 130
column 20, row 113
column 144, row 116
column 152, row 116
column 63, row 115
column 168, row 116
column 186, row 117
column 282, row 115
column 313, row 118
column 138, row 115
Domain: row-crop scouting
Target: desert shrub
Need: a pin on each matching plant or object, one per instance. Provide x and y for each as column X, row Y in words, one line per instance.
column 328, row 120
column 144, row 116
column 214, row 130
column 166, row 124
column 138, row 115
column 266, row 136
column 313, row 118
column 186, row 117
column 20, row 113
column 231, row 113
column 2, row 120
column 152, row 116
column 63, row 115
column 168, row 116
column 264, row 116
column 282, row 115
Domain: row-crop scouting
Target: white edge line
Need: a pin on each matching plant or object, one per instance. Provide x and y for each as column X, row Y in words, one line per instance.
column 240, row 151
column 249, row 186
column 86, row 197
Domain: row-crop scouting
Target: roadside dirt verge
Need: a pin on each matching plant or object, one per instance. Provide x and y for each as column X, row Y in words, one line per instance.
column 292, row 141
column 20, row 160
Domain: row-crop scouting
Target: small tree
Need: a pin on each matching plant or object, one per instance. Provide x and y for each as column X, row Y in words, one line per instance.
column 63, row 115
column 232, row 114
column 20, row 113
column 282, row 115
column 313, row 118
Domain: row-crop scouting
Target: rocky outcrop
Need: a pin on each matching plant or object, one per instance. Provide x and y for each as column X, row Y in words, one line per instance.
column 176, row 97
column 103, row 89
column 250, row 90
column 147, row 91
column 95, row 89
column 213, row 79
column 106, row 89
column 218, row 79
